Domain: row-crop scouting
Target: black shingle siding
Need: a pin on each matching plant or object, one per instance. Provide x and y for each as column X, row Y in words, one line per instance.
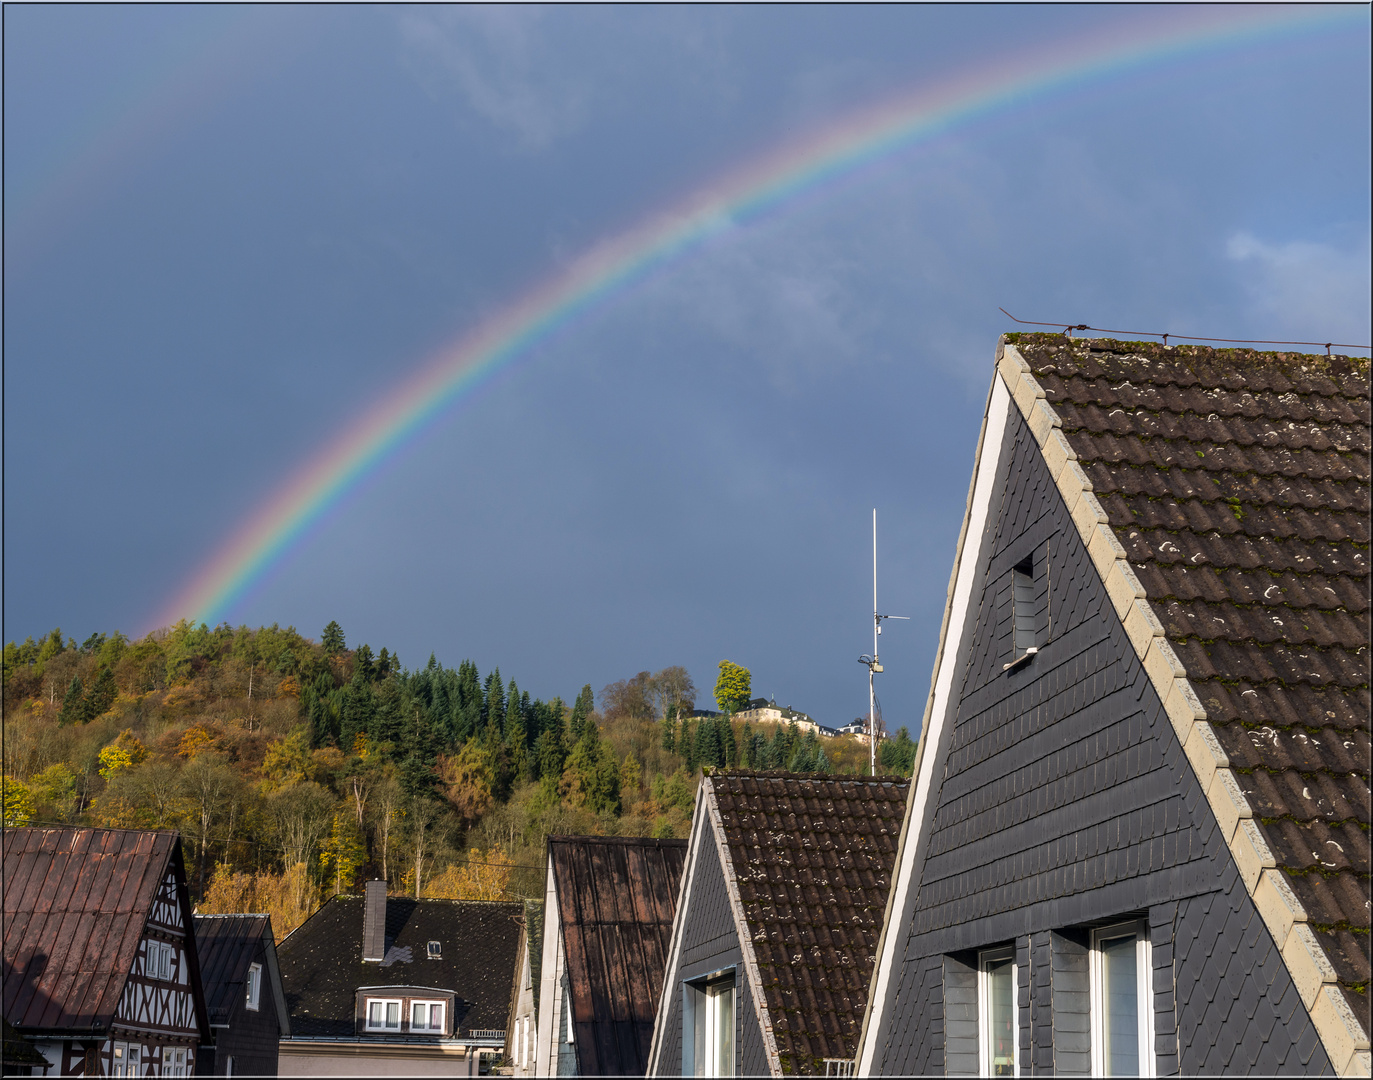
column 1066, row 800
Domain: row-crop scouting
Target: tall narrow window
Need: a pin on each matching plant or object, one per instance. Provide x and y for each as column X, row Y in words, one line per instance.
column 1023, row 605
column 996, row 1005
column 708, row 1022
column 1122, row 1001
column 254, row 985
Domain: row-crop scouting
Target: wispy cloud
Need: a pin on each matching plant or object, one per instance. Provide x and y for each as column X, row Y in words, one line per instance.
column 503, row 64
column 1306, row 289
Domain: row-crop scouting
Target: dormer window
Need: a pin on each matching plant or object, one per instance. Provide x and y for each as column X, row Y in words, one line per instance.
column 383, row 1014
column 435, row 951
column 427, row 1017
column 254, row 986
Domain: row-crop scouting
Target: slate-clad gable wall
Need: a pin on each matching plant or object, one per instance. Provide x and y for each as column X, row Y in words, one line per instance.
column 710, row 942
column 1066, row 798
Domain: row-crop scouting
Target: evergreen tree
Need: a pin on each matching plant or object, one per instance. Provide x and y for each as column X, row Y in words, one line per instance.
column 686, row 745
column 355, row 712
column 550, row 751
column 707, row 744
column 898, row 755
column 384, row 664
column 517, row 733
column 469, row 701
column 581, row 709
column 363, row 664
column 102, row 694
column 332, row 639
column 729, row 749
column 592, row 775
column 74, row 704
column 670, row 732
column 493, row 714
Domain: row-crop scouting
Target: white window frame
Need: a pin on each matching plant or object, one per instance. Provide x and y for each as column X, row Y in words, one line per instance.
column 1148, row 1065
column 383, row 1027
column 254, row 987
column 430, row 1003
column 119, row 1057
column 174, row 1062
column 984, row 1010
column 703, row 995
column 135, row 1060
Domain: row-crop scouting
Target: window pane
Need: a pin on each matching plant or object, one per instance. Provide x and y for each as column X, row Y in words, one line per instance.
column 1001, row 1016
column 723, row 1007
column 1120, row 995
column 393, row 1014
column 700, row 1062
column 435, row 1017
column 374, row 1014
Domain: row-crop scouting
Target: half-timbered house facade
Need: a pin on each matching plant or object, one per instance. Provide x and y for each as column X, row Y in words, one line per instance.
column 100, row 967
column 1137, row 842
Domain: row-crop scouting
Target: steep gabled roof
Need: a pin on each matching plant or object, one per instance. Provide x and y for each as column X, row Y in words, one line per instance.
column 322, row 966
column 228, row 945
column 1236, row 484
column 1223, row 498
column 76, row 902
column 616, row 899
column 808, row 863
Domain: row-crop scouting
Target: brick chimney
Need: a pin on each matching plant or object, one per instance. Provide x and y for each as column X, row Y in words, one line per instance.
column 374, row 922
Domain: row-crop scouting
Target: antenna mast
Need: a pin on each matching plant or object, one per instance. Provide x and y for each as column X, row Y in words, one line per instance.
column 873, row 663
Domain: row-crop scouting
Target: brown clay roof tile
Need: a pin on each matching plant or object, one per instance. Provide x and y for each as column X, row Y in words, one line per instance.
column 812, row 858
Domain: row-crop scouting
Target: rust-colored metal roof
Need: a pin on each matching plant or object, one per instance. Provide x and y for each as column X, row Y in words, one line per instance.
column 1238, row 484
column 812, row 859
column 616, row 899
column 76, row 901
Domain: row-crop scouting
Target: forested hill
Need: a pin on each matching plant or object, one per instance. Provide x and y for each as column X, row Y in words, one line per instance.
column 295, row 768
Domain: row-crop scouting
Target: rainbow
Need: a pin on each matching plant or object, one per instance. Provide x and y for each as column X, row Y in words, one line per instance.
column 766, row 183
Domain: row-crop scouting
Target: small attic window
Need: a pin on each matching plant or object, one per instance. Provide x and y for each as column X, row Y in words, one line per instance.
column 1025, row 613
column 435, row 951
column 1023, row 605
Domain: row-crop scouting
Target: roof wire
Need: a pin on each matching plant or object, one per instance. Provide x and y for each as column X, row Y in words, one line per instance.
column 1068, row 329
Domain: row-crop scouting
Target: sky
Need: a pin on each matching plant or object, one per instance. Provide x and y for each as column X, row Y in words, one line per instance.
column 231, row 231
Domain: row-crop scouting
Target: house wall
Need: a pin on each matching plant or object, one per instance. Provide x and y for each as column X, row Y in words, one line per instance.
column 351, row 1059
column 710, row 942
column 1066, row 799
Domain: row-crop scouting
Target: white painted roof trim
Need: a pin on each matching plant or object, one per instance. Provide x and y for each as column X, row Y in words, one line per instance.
column 550, row 980
column 707, row 811
column 674, row 950
column 755, row 978
column 896, row 923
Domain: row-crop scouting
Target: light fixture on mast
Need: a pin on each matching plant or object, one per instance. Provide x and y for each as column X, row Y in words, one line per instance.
column 873, row 663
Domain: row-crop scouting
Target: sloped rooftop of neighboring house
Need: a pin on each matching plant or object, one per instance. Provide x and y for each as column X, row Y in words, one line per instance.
column 76, row 902
column 616, row 899
column 1238, row 484
column 812, row 858
column 228, row 945
column 322, row 967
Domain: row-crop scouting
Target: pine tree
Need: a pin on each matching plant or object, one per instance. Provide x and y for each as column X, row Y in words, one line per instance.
column 363, row 664
column 516, row 733
column 707, row 744
column 729, row 749
column 74, row 704
column 102, row 694
column 686, row 745
column 332, row 639
column 581, row 709
column 493, row 714
column 469, row 701
column 384, row 664
column 670, row 732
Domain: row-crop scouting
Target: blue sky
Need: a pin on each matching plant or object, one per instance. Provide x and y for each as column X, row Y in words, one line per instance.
column 229, row 230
